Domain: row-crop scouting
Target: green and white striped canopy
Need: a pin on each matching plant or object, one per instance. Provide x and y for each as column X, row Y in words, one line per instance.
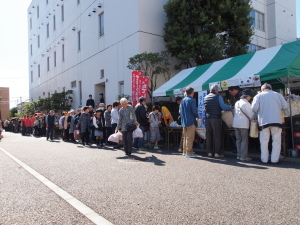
column 272, row 63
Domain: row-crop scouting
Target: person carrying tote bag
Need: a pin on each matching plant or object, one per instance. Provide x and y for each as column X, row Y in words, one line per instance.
column 241, row 122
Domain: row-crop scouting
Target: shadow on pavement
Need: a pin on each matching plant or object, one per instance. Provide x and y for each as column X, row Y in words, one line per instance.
column 152, row 159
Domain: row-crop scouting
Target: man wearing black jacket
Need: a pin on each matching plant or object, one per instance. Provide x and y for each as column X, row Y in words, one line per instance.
column 141, row 117
column 50, row 124
column 90, row 101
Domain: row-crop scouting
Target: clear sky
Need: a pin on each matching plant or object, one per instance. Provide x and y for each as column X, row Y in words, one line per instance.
column 14, row 47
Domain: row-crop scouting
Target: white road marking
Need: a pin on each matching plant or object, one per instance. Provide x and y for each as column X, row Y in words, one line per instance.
column 82, row 208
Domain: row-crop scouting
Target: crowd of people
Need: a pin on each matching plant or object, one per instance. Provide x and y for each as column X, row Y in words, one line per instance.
column 89, row 125
column 94, row 126
column 267, row 106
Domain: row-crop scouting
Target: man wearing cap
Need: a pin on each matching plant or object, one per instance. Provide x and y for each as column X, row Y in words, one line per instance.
column 268, row 105
column 101, row 99
column 235, row 92
column 241, row 122
column 90, row 101
column 214, row 105
column 141, row 117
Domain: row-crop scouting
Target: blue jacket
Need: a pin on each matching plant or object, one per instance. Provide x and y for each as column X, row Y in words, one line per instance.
column 188, row 112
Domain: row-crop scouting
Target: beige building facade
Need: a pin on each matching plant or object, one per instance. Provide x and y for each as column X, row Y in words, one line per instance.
column 4, row 103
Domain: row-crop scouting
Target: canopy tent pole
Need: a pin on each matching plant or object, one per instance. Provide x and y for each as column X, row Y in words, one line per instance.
column 290, row 104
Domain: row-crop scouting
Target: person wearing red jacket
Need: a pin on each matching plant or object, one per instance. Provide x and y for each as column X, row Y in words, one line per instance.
column 27, row 126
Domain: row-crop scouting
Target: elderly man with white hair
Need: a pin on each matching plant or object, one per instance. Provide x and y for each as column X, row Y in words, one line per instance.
column 214, row 105
column 126, row 116
column 268, row 105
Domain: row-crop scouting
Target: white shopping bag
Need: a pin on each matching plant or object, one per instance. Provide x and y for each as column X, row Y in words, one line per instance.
column 116, row 137
column 137, row 133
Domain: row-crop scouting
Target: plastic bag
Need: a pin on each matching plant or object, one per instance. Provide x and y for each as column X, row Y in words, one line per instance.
column 201, row 132
column 174, row 124
column 227, row 117
column 116, row 137
column 137, row 133
column 76, row 135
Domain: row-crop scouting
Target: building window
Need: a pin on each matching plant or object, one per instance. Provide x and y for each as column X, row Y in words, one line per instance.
column 48, row 94
column 54, row 23
column 258, row 20
column 62, row 13
column 47, row 30
column 31, row 76
column 254, row 48
column 38, row 11
column 64, row 89
column 31, row 50
column 121, row 88
column 73, row 84
column 101, row 24
column 101, row 74
column 44, row 93
column 63, row 53
column 54, row 58
column 38, row 39
column 78, row 2
column 30, row 23
column 79, row 41
column 48, row 63
column 39, row 71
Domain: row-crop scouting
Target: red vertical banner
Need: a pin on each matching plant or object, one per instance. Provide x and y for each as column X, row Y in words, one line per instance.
column 136, row 77
column 144, row 86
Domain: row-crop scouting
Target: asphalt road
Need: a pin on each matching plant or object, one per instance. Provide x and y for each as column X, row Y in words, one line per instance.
column 153, row 187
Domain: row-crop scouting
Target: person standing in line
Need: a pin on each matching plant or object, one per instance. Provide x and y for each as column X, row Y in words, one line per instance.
column 66, row 128
column 23, row 124
column 98, row 122
column 126, row 116
column 241, row 122
column 71, row 124
column 90, row 101
column 141, row 116
column 61, row 124
column 83, row 123
column 154, row 116
column 178, row 102
column 91, row 126
column 214, row 104
column 101, row 99
column 50, row 124
column 235, row 92
column 27, row 125
column 36, row 132
column 107, row 117
column 115, row 119
column 189, row 114
column 268, row 105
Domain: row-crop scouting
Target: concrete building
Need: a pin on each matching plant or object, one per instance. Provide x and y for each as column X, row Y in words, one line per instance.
column 4, row 103
column 274, row 23
column 84, row 45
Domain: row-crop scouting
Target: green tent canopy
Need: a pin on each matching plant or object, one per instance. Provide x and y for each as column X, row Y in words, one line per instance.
column 270, row 64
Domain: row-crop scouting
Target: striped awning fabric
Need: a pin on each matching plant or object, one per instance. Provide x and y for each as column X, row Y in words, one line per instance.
column 272, row 63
